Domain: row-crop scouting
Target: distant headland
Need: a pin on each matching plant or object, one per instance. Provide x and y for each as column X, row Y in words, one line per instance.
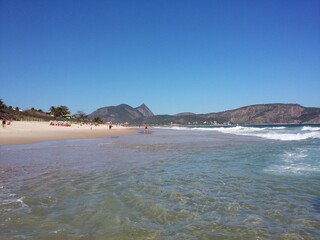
column 254, row 114
column 276, row 113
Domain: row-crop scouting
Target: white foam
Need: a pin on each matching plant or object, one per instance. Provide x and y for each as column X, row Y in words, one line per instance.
column 23, row 205
column 274, row 133
column 294, row 168
column 276, row 128
column 299, row 154
column 310, row 128
column 57, row 231
column 296, row 161
column 289, row 136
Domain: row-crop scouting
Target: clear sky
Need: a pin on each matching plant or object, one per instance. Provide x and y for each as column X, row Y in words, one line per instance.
column 173, row 55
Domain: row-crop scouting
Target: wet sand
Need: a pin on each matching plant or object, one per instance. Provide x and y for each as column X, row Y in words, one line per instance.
column 31, row 132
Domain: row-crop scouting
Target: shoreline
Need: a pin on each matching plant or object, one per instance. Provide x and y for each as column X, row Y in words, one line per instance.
column 24, row 132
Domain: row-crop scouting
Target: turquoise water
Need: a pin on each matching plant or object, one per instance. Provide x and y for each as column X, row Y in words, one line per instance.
column 177, row 183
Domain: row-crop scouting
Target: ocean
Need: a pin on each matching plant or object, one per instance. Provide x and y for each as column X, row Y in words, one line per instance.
column 238, row 182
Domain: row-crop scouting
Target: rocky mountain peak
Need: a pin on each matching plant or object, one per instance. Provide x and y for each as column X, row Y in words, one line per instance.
column 121, row 113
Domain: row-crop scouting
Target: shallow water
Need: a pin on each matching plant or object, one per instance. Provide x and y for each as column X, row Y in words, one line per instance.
column 165, row 185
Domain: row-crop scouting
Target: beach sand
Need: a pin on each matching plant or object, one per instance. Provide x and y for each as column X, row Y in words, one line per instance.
column 31, row 132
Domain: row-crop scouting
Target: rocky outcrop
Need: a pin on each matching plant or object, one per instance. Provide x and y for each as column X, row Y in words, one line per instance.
column 121, row 113
column 266, row 113
column 271, row 114
column 254, row 114
column 145, row 111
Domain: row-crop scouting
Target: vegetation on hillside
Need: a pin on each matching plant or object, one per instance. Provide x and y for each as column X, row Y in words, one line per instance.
column 60, row 113
column 16, row 114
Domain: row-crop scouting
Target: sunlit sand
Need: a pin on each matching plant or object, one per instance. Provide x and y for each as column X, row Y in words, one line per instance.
column 30, row 132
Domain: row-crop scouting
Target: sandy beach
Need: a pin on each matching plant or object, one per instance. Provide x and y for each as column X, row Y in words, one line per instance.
column 31, row 132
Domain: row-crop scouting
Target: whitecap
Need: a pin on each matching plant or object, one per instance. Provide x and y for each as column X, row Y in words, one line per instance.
column 289, row 136
column 276, row 128
column 272, row 133
column 310, row 128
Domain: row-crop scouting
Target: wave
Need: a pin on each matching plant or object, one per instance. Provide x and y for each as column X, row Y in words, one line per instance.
column 309, row 128
column 297, row 161
column 290, row 137
column 274, row 133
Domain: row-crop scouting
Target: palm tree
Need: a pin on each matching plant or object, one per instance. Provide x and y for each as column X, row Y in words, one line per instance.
column 52, row 110
column 64, row 110
column 59, row 111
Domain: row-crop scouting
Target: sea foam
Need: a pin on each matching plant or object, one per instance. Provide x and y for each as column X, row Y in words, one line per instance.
column 295, row 161
column 275, row 133
column 310, row 128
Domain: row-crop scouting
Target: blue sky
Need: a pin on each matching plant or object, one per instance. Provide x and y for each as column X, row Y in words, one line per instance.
column 173, row 55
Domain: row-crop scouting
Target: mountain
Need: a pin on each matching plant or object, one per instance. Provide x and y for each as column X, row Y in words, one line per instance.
column 270, row 114
column 121, row 113
column 144, row 110
column 254, row 114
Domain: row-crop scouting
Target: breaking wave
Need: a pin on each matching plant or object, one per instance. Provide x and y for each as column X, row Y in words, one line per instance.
column 284, row 133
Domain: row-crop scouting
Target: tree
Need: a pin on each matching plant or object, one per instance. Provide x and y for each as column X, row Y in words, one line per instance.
column 98, row 120
column 59, row 111
column 52, row 110
column 64, row 110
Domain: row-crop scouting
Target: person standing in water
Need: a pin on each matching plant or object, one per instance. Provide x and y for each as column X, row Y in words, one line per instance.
column 146, row 131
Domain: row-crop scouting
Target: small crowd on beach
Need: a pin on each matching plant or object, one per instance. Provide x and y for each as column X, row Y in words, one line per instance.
column 60, row 123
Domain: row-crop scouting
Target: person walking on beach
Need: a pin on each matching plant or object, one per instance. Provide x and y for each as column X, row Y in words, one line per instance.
column 3, row 123
column 146, row 129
